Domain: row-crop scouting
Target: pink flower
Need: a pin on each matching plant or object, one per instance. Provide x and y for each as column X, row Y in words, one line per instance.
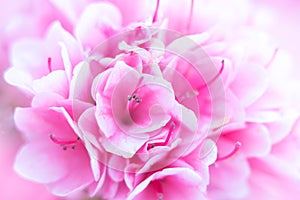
column 17, row 20
column 61, row 177
column 127, row 109
column 124, row 126
column 244, row 150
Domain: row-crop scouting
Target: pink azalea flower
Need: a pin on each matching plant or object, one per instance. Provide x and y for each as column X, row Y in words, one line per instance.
column 122, row 108
column 272, row 118
column 62, row 177
column 85, row 132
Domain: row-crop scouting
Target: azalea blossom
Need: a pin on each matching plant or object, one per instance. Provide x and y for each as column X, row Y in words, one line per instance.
column 137, row 102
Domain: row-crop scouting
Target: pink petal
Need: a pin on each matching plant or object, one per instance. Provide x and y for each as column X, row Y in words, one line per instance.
column 40, row 123
column 55, row 82
column 97, row 21
column 19, row 78
column 28, row 55
column 122, row 144
column 56, row 35
column 116, row 167
column 262, row 116
column 46, row 99
column 266, row 176
column 70, row 9
column 78, row 163
column 88, row 125
column 223, row 173
column 96, row 186
column 191, row 185
column 235, row 112
column 130, row 13
column 281, row 128
column 109, row 189
column 41, row 168
column 82, row 80
column 249, row 84
column 255, row 140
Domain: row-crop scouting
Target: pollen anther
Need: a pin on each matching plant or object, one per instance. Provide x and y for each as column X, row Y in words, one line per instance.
column 65, row 143
column 165, row 143
column 134, row 97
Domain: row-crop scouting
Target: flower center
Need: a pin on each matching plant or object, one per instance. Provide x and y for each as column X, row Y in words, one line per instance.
column 64, row 143
column 145, row 104
column 237, row 147
column 135, row 98
column 171, row 129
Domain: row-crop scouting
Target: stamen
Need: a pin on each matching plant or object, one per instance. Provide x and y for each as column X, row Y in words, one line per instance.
column 156, row 12
column 214, row 78
column 159, row 189
column 189, row 21
column 135, row 97
column 232, row 153
column 160, row 196
column 138, row 100
column 165, row 143
column 50, row 64
column 64, row 143
column 272, row 58
column 187, row 95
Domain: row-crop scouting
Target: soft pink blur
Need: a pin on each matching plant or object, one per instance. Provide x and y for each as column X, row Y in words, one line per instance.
column 12, row 186
column 15, row 22
column 278, row 18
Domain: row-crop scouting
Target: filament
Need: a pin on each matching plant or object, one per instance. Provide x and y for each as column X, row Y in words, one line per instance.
column 152, row 145
column 237, row 147
column 188, row 24
column 50, row 64
column 214, row 78
column 156, row 12
column 64, row 143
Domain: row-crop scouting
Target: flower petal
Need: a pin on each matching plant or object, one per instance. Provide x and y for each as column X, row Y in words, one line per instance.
column 249, row 84
column 78, row 163
column 55, row 82
column 97, row 21
column 41, row 169
column 255, row 140
column 169, row 178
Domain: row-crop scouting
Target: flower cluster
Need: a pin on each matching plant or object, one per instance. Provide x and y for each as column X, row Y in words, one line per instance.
column 138, row 102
